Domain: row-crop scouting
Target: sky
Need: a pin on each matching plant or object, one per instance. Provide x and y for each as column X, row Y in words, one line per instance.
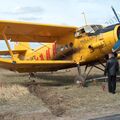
column 62, row 12
column 68, row 12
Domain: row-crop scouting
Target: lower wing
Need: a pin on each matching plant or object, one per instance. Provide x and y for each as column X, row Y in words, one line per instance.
column 35, row 66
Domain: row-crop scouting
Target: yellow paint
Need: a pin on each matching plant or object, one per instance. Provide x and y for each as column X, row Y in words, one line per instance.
column 102, row 44
column 37, row 54
column 10, row 51
column 81, row 48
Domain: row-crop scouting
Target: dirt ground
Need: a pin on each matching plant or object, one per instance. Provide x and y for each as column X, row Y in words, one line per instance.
column 54, row 96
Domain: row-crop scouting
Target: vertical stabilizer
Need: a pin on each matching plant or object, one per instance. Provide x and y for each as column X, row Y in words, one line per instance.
column 22, row 46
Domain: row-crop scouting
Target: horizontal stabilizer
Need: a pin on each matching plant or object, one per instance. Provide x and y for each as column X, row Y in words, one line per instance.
column 14, row 52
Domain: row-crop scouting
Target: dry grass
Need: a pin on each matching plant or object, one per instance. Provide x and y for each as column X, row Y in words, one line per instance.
column 58, row 93
column 12, row 92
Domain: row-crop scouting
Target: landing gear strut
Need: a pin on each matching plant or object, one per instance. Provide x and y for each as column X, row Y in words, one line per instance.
column 82, row 79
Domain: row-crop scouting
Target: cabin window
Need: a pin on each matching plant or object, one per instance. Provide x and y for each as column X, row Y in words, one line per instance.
column 79, row 32
column 87, row 30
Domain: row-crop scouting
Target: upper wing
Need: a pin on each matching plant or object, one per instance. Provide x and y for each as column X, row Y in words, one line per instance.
column 33, row 32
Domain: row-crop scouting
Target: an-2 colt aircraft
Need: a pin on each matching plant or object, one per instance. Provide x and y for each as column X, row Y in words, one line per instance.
column 64, row 46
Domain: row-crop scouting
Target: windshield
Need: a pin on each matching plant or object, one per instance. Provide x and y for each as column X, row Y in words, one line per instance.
column 89, row 29
column 96, row 27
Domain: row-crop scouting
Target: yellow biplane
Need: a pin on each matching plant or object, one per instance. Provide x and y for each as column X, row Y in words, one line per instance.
column 63, row 46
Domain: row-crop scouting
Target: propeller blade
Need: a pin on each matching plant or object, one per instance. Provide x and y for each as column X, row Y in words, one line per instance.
column 116, row 47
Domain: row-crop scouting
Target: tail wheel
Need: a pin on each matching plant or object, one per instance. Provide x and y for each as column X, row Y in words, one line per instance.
column 32, row 75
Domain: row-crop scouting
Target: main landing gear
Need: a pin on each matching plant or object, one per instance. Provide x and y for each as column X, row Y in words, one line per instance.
column 81, row 79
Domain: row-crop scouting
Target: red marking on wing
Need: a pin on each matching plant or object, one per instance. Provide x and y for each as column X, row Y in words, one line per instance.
column 48, row 54
column 35, row 57
column 41, row 56
column 54, row 49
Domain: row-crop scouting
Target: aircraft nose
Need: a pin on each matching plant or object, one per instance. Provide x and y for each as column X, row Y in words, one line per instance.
column 116, row 46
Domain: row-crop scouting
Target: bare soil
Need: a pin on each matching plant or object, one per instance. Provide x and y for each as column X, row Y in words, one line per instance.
column 54, row 96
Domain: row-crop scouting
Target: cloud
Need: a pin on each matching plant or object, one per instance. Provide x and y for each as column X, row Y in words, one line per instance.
column 25, row 10
column 29, row 18
column 92, row 1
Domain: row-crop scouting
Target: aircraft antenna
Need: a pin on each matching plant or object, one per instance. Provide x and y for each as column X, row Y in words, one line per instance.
column 84, row 18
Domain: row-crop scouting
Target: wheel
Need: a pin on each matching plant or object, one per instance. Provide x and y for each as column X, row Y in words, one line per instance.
column 80, row 81
column 32, row 75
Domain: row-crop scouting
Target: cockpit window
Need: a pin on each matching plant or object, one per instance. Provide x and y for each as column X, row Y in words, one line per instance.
column 96, row 27
column 88, row 29
column 79, row 32
column 92, row 28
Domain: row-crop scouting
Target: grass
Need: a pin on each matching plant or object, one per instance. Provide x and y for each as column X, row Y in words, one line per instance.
column 57, row 92
column 12, row 92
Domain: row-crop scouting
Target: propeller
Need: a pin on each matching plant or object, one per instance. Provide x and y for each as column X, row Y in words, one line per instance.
column 116, row 47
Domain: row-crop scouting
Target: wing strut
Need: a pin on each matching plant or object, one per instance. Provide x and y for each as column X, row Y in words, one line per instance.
column 7, row 43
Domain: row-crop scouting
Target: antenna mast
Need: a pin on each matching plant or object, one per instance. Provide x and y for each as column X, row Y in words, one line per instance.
column 84, row 18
